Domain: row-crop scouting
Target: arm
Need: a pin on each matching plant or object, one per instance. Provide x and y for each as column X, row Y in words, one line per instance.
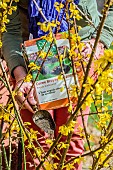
column 107, row 32
column 89, row 7
column 12, row 40
column 11, row 43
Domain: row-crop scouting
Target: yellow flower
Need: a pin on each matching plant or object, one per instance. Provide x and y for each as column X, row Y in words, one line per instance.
column 6, row 0
column 78, row 17
column 79, row 28
column 104, row 139
column 0, row 44
column 10, row 11
column 15, row 126
column 46, row 26
column 39, row 152
column 10, row 106
column 78, row 160
column 48, row 165
column 69, row 166
column 49, row 37
column 74, row 12
column 3, row 5
column 62, row 89
column 43, row 54
column 28, row 78
column 65, row 35
column 43, row 26
column 62, row 145
column 73, row 90
column 60, row 77
column 103, row 120
column 14, row 8
column 33, row 66
column 5, row 20
column 58, row 6
column 70, row 108
column 61, row 58
column 3, row 29
column 29, row 145
column 49, row 141
column 2, row 112
column 65, row 130
column 33, row 134
column 16, row 0
column 27, row 123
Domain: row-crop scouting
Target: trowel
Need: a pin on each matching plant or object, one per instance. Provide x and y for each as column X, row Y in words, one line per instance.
column 44, row 120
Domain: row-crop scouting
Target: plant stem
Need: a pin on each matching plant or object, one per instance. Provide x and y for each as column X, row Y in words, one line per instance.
column 65, row 151
column 10, row 148
column 17, row 113
column 23, row 151
column 1, row 79
column 90, row 152
column 86, row 134
column 5, row 156
column 49, row 151
column 0, row 159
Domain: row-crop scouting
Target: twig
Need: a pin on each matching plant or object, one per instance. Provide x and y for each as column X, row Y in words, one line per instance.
column 23, row 150
column 20, row 151
column 17, row 113
column 105, row 160
column 65, row 151
column 85, row 16
column 5, row 156
column 1, row 79
column 0, row 154
column 86, row 134
column 49, row 151
column 89, row 153
column 10, row 148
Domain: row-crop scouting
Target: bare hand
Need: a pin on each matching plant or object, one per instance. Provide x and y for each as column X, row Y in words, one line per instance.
column 23, row 90
column 87, row 50
column 89, row 46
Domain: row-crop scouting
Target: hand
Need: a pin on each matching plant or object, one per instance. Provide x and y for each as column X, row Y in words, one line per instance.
column 23, row 89
column 87, row 50
column 89, row 46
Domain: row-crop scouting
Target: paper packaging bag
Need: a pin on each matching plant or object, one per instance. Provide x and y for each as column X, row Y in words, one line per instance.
column 50, row 89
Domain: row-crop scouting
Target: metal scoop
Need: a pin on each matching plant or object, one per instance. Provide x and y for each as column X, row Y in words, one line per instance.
column 44, row 120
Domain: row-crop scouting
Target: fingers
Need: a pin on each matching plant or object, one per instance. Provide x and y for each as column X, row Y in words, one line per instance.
column 22, row 92
column 21, row 100
column 5, row 127
column 31, row 98
column 88, row 49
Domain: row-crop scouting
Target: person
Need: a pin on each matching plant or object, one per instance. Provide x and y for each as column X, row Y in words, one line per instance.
column 18, row 31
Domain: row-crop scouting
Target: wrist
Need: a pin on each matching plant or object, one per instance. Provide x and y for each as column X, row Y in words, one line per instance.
column 19, row 73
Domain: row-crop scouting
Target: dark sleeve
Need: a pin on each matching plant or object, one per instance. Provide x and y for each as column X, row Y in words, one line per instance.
column 12, row 40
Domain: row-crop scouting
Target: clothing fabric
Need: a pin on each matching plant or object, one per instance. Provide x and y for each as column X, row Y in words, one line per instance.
column 12, row 54
column 60, row 117
column 50, row 13
column 16, row 27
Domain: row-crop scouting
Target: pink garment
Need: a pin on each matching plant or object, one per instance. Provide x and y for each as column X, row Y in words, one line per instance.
column 60, row 117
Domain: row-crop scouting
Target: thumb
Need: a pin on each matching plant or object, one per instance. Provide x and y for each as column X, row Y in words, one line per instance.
column 31, row 98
